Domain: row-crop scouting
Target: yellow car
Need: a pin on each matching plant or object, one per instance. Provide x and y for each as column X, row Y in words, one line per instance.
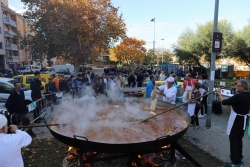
column 27, row 78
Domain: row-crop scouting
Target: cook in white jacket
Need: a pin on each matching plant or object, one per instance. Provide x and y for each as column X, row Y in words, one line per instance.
column 11, row 144
column 168, row 90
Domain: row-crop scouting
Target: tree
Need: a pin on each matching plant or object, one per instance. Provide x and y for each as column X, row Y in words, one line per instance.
column 130, row 50
column 149, row 57
column 192, row 45
column 186, row 48
column 242, row 45
column 73, row 30
column 162, row 54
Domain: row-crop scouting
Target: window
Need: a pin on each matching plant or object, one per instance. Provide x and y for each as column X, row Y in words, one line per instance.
column 1, row 45
column 29, row 79
column 5, row 88
column 24, row 88
column 19, row 78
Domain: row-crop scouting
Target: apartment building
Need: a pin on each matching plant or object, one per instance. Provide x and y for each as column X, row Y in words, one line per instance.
column 11, row 24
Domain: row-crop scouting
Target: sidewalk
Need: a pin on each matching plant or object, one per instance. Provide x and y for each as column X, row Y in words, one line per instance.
column 215, row 140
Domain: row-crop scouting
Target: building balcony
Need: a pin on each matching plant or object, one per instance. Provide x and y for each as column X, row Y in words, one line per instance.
column 14, row 47
column 8, row 21
column 13, row 33
column 13, row 23
column 8, row 47
column 12, row 59
column 11, row 47
column 7, row 34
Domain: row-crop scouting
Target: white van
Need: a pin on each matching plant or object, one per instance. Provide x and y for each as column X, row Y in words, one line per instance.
column 60, row 68
column 66, row 70
column 33, row 68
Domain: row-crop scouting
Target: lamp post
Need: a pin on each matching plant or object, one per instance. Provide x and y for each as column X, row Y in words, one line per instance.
column 153, row 20
column 162, row 51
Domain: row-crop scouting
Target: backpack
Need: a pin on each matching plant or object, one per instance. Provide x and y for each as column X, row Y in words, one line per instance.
column 217, row 107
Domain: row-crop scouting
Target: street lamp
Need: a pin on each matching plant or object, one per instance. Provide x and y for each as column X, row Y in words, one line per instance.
column 153, row 20
column 162, row 51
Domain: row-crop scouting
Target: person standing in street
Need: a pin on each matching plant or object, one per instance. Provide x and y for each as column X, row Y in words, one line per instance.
column 188, row 87
column 36, row 94
column 197, row 105
column 63, row 86
column 240, row 107
column 150, row 86
column 139, row 80
column 162, row 76
column 204, row 86
column 55, row 80
column 15, row 105
column 51, row 90
column 168, row 90
column 11, row 144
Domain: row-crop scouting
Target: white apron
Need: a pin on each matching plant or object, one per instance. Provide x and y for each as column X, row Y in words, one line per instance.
column 191, row 108
column 232, row 119
column 188, row 89
column 153, row 101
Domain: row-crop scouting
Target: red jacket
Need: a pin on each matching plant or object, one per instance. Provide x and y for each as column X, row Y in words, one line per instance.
column 188, row 83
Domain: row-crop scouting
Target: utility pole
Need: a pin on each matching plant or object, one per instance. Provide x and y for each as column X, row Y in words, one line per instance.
column 212, row 68
column 162, row 51
column 153, row 20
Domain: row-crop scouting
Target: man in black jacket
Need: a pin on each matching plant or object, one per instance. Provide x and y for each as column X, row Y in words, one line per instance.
column 237, row 120
column 51, row 89
column 101, row 87
column 36, row 87
column 16, row 105
column 63, row 86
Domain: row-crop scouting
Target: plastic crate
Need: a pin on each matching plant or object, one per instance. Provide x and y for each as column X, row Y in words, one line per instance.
column 179, row 99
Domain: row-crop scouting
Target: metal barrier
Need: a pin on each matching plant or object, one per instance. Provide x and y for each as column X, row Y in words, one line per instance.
column 38, row 107
column 42, row 105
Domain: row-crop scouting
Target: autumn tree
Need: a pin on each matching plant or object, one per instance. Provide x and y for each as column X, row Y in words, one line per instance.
column 130, row 50
column 73, row 30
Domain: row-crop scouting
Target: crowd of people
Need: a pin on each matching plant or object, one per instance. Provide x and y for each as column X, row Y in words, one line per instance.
column 195, row 98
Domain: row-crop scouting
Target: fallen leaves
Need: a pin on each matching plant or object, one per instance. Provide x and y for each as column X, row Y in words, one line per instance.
column 44, row 152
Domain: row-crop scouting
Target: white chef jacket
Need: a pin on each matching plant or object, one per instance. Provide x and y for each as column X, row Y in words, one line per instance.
column 10, row 148
column 170, row 93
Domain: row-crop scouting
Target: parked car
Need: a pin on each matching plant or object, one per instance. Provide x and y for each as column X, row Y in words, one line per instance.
column 7, row 85
column 24, row 70
column 27, row 78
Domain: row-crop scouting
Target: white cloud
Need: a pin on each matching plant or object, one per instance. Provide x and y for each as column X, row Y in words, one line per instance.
column 12, row 7
column 18, row 10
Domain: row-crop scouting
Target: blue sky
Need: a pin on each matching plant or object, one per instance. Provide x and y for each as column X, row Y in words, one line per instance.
column 172, row 17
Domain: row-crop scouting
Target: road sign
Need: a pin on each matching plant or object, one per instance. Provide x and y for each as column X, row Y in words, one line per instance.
column 217, row 42
column 222, row 84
